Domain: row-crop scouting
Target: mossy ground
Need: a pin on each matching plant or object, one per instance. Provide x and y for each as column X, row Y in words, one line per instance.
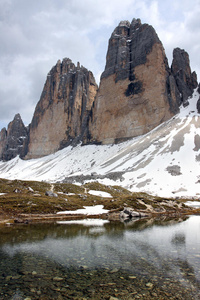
column 28, row 197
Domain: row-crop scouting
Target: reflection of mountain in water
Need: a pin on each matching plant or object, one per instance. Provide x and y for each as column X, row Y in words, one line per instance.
column 36, row 232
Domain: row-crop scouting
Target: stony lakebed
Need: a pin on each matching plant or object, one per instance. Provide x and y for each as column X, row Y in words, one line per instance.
column 62, row 241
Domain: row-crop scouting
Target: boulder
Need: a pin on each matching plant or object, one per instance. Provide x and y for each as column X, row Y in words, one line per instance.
column 129, row 213
column 51, row 194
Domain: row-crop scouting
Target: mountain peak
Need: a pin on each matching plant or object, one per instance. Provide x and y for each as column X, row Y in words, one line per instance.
column 14, row 140
column 61, row 115
column 138, row 91
column 124, row 24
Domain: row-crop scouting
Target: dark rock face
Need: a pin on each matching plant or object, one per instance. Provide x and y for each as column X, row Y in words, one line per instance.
column 198, row 105
column 129, row 45
column 137, row 90
column 186, row 80
column 13, row 141
column 61, row 115
column 198, row 102
column 198, row 90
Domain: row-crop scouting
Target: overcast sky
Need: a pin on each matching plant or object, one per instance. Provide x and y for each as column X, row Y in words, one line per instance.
column 35, row 34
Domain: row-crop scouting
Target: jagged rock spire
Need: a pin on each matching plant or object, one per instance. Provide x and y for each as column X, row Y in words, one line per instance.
column 13, row 141
column 185, row 79
column 61, row 115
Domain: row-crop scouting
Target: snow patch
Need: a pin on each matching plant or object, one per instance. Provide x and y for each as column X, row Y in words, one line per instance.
column 163, row 162
column 87, row 210
column 100, row 194
column 195, row 204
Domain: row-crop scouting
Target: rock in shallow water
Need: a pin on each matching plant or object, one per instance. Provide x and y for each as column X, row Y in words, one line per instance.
column 129, row 213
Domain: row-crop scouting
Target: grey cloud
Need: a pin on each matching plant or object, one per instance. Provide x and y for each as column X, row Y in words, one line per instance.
column 35, row 34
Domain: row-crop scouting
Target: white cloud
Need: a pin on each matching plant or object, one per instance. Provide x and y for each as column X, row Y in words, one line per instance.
column 35, row 34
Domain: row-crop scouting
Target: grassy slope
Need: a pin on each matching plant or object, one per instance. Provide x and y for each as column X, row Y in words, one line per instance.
column 31, row 198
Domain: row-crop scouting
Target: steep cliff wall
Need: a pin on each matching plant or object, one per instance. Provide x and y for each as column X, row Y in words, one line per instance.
column 61, row 115
column 137, row 91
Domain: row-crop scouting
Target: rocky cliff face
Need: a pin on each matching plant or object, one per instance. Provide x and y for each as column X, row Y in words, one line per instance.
column 186, row 80
column 138, row 91
column 61, row 115
column 13, row 141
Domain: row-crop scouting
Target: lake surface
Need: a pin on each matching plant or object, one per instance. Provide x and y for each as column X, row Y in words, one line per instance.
column 96, row 259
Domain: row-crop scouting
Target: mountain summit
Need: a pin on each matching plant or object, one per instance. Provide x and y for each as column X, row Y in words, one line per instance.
column 61, row 115
column 138, row 91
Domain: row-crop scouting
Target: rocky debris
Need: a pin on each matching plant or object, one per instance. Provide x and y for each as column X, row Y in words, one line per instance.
column 61, row 115
column 129, row 213
column 13, row 141
column 21, row 221
column 94, row 176
column 137, row 89
column 51, row 194
column 186, row 80
column 174, row 170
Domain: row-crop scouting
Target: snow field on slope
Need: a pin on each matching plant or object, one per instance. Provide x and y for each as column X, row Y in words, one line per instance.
column 164, row 161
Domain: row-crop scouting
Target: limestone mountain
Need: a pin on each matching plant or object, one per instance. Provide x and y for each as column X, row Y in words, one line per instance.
column 13, row 141
column 138, row 91
column 61, row 115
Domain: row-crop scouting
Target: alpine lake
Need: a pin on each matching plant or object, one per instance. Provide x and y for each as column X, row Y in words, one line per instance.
column 99, row 259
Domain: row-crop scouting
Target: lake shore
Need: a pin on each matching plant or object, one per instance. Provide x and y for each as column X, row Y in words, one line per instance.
column 26, row 202
column 111, row 216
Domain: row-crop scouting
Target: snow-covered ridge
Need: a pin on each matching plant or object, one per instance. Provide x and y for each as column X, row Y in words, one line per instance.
column 165, row 161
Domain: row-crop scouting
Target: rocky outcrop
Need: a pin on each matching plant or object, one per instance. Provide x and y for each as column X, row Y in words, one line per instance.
column 13, row 141
column 129, row 213
column 137, row 90
column 61, row 115
column 186, row 80
column 198, row 102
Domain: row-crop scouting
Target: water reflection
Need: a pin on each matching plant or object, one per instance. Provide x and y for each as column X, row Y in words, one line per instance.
column 145, row 257
column 178, row 239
